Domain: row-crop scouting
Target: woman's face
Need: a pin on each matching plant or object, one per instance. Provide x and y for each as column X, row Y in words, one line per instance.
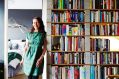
column 36, row 24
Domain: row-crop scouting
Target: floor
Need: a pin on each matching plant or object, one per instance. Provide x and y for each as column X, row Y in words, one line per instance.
column 22, row 76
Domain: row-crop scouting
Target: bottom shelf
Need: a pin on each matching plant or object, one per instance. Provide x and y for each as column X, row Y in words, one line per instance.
column 82, row 72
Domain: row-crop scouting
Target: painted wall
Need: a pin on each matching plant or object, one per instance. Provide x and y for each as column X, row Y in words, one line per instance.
column 1, row 29
column 44, row 18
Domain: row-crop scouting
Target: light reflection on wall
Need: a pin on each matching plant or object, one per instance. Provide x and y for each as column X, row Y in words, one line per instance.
column 114, row 44
column 114, row 41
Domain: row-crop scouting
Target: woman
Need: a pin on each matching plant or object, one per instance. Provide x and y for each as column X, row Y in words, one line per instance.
column 35, row 49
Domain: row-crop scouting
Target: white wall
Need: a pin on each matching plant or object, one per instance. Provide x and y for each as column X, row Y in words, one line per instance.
column 24, row 4
column 44, row 17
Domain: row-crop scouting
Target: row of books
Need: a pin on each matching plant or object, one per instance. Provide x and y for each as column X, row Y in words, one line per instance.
column 107, row 29
column 67, row 16
column 104, row 4
column 104, row 58
column 68, row 43
column 79, row 29
column 79, row 4
column 104, row 16
column 98, row 44
column 68, row 72
column 80, row 72
column 78, row 44
column 79, row 58
column 75, row 16
column 68, row 29
column 105, row 71
column 67, row 58
column 109, row 58
column 68, row 4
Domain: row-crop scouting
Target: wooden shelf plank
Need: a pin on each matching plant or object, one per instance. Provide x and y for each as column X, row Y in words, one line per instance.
column 110, row 65
column 105, row 65
column 84, row 9
column 73, row 64
column 91, row 36
column 64, row 51
column 113, row 76
column 101, row 23
column 85, row 51
column 68, row 35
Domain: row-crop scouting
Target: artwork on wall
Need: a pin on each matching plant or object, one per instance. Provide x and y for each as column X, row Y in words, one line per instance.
column 20, row 20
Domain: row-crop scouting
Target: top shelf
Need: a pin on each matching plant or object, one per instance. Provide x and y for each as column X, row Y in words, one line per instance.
column 100, row 23
column 67, row 9
column 84, row 9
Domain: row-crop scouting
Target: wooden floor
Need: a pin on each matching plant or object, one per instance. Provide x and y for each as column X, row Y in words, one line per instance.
column 21, row 76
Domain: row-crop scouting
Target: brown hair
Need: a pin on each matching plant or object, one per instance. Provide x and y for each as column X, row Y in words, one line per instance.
column 41, row 28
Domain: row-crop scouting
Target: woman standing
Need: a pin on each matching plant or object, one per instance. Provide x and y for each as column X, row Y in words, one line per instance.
column 35, row 48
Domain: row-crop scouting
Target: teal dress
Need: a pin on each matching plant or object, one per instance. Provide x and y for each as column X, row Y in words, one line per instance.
column 36, row 41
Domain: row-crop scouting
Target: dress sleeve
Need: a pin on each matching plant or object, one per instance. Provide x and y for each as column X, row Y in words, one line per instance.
column 27, row 36
column 26, row 39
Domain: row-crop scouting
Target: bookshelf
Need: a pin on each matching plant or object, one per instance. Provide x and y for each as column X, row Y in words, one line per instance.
column 80, row 34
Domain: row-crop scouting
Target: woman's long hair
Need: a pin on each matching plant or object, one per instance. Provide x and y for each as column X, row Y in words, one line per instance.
column 41, row 28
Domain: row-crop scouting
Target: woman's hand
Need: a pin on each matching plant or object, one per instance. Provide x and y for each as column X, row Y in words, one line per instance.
column 39, row 61
column 21, row 62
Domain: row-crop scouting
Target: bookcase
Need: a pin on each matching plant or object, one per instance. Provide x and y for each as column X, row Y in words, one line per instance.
column 80, row 36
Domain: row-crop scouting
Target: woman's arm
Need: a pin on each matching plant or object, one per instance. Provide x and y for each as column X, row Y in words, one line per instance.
column 26, row 46
column 44, row 49
column 25, row 49
column 43, row 53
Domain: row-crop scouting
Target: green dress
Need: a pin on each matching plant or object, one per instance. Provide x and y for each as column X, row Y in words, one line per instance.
column 36, row 41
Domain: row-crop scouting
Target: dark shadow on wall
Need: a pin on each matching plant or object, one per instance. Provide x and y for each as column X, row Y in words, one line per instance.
column 1, row 39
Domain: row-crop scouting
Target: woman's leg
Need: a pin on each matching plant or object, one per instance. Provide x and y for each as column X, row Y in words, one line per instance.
column 35, row 77
column 40, row 77
column 29, row 77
